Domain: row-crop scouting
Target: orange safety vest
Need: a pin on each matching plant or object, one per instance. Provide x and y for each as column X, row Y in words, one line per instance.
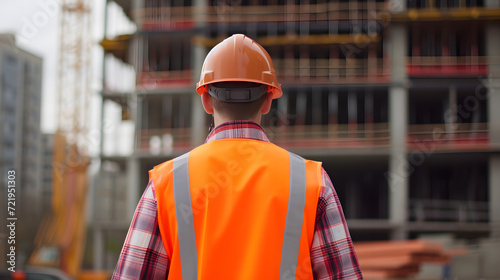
column 238, row 209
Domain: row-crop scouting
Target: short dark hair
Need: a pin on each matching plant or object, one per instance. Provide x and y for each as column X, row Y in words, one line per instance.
column 238, row 110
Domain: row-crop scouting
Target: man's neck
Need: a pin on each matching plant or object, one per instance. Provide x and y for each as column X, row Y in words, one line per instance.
column 218, row 119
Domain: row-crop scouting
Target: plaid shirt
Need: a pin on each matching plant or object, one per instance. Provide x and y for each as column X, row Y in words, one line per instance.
column 332, row 253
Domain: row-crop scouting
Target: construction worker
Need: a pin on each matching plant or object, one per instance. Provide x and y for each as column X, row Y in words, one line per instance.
column 238, row 207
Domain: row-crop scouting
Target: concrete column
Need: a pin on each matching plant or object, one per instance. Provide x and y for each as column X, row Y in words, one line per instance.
column 132, row 165
column 134, row 103
column 98, row 248
column 199, row 130
column 137, row 53
column 493, row 84
column 398, row 164
column 200, row 12
column 137, row 6
column 397, row 176
column 494, row 190
column 133, row 186
column 397, row 47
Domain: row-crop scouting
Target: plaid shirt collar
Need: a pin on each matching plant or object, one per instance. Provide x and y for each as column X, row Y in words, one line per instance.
column 237, row 129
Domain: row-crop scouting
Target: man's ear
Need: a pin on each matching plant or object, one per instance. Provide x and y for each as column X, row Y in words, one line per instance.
column 266, row 106
column 207, row 103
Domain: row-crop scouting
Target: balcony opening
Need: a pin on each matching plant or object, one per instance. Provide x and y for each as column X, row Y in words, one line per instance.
column 450, row 50
column 360, row 186
column 427, row 107
column 167, row 62
column 453, row 118
column 166, row 123
column 329, row 117
column 450, row 190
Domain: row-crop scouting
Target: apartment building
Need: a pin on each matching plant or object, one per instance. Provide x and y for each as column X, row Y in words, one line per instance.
column 20, row 136
column 397, row 98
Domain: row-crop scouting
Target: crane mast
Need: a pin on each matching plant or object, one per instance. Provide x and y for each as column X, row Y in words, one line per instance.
column 61, row 237
column 74, row 71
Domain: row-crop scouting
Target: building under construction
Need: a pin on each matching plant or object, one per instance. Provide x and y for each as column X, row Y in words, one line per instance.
column 398, row 99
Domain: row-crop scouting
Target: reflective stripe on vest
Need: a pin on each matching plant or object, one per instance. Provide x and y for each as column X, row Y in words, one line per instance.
column 294, row 217
column 185, row 222
column 293, row 225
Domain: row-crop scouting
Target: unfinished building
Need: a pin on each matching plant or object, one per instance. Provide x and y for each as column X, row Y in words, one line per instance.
column 398, row 99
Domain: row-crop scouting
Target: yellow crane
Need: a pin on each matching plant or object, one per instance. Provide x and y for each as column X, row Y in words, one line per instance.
column 60, row 240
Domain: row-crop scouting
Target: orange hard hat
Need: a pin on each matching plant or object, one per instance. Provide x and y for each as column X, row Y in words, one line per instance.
column 239, row 59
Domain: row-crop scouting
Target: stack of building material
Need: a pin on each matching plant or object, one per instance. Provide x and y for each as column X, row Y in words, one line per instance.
column 389, row 259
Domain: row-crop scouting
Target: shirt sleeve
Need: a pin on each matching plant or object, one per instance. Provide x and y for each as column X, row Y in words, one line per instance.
column 143, row 255
column 332, row 251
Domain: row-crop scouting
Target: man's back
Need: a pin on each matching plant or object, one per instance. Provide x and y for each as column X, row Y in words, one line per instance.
column 253, row 207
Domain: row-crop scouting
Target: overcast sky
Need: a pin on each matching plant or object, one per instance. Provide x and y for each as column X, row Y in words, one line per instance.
column 36, row 25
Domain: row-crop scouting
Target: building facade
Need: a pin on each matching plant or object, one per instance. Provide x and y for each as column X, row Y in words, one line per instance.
column 20, row 136
column 397, row 99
